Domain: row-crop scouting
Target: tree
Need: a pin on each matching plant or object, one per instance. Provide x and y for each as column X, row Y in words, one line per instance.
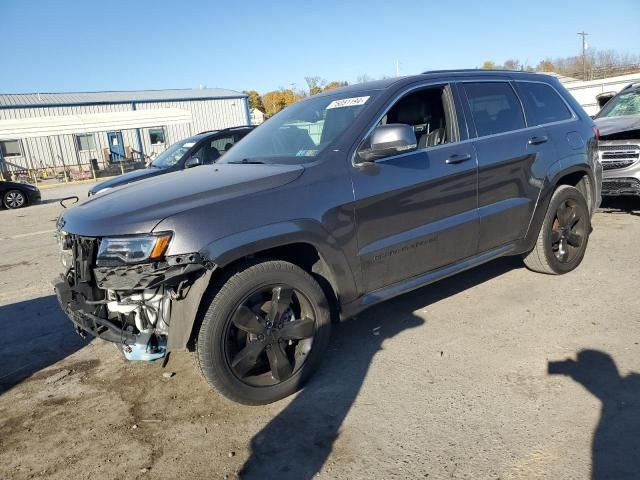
column 335, row 84
column 364, row 78
column 279, row 99
column 255, row 100
column 511, row 64
column 315, row 84
column 545, row 65
column 489, row 65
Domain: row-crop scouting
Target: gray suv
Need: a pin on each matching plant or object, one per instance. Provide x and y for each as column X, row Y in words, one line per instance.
column 340, row 201
column 619, row 124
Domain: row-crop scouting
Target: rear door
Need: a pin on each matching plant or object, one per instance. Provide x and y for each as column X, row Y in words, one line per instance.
column 508, row 154
column 416, row 211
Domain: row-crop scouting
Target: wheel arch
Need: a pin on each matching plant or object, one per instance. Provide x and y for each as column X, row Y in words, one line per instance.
column 310, row 248
column 580, row 176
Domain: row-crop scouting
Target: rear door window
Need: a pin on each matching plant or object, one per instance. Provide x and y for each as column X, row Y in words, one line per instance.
column 495, row 107
column 542, row 104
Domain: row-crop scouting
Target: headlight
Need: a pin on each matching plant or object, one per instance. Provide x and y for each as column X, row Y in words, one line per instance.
column 134, row 249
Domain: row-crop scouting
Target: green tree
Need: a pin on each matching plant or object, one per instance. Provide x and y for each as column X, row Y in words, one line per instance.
column 489, row 65
column 255, row 100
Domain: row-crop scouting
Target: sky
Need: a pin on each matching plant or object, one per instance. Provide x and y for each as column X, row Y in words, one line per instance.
column 74, row 45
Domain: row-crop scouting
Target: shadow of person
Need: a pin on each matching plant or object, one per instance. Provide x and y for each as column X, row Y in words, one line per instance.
column 297, row 442
column 616, row 441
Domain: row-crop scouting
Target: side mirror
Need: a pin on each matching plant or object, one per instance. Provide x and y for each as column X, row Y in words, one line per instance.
column 388, row 140
column 193, row 162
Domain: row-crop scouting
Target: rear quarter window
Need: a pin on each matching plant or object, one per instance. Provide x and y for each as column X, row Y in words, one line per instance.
column 542, row 104
column 495, row 107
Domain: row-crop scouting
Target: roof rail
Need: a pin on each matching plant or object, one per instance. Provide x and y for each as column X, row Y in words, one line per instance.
column 472, row 70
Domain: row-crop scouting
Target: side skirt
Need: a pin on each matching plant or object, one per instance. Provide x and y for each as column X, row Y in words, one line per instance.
column 352, row 308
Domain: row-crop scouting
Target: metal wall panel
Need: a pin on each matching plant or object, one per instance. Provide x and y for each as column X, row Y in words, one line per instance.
column 59, row 150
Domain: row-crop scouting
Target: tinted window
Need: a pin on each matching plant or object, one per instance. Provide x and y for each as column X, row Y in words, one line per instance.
column 542, row 103
column 495, row 107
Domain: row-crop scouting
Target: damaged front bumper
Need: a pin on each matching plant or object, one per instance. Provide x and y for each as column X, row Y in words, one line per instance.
column 133, row 306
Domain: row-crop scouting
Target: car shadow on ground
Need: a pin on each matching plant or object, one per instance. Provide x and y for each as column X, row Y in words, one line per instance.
column 298, row 441
column 630, row 205
column 33, row 335
column 616, row 441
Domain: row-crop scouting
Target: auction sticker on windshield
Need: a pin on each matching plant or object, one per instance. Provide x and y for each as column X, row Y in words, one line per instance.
column 348, row 102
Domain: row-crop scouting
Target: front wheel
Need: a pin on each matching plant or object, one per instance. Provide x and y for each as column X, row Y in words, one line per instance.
column 263, row 333
column 564, row 235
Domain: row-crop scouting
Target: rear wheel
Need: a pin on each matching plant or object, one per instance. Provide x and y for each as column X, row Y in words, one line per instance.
column 564, row 235
column 14, row 199
column 263, row 333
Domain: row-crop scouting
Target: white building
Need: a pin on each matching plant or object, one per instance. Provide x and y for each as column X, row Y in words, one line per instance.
column 586, row 92
column 99, row 129
column 257, row 116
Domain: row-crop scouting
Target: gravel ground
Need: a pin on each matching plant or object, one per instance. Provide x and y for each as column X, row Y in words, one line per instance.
column 450, row 381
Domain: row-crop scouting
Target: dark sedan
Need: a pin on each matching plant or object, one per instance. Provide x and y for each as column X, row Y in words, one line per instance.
column 201, row 149
column 18, row 194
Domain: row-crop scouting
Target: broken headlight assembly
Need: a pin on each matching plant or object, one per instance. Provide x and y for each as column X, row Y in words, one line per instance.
column 133, row 249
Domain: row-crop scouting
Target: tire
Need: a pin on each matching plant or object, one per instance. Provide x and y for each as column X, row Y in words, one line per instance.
column 564, row 234
column 14, row 199
column 237, row 320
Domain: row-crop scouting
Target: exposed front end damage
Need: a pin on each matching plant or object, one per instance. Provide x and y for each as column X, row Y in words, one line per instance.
column 146, row 309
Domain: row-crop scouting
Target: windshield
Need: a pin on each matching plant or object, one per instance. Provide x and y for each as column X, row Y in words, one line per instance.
column 300, row 132
column 624, row 104
column 172, row 155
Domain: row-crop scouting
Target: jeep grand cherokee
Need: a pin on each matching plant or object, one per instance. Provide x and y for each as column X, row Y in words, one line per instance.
column 340, row 201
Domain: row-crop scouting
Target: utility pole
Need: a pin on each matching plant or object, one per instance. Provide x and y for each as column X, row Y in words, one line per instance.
column 584, row 55
column 397, row 68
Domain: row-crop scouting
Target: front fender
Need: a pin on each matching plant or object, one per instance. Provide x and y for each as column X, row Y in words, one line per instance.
column 228, row 249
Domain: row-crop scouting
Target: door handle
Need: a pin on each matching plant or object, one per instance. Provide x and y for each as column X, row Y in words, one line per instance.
column 537, row 140
column 453, row 159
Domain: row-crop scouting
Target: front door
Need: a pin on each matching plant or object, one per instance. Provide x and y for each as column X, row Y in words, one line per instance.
column 417, row 211
column 116, row 147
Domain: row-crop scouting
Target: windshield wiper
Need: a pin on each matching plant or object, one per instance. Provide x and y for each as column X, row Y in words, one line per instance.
column 246, row 161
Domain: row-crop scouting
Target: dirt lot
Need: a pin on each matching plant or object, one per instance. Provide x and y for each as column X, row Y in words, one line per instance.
column 450, row 381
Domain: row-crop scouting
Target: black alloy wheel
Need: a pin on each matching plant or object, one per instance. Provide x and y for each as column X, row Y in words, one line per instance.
column 264, row 331
column 568, row 230
column 563, row 237
column 270, row 335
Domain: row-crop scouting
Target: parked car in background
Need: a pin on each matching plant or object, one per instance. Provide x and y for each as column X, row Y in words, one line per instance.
column 18, row 194
column 619, row 146
column 340, row 201
column 201, row 149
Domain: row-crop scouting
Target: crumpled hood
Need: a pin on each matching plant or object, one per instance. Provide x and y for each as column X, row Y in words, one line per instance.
column 128, row 178
column 609, row 125
column 139, row 207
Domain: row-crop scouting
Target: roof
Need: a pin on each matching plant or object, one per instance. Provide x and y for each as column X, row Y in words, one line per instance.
column 434, row 74
column 21, row 100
